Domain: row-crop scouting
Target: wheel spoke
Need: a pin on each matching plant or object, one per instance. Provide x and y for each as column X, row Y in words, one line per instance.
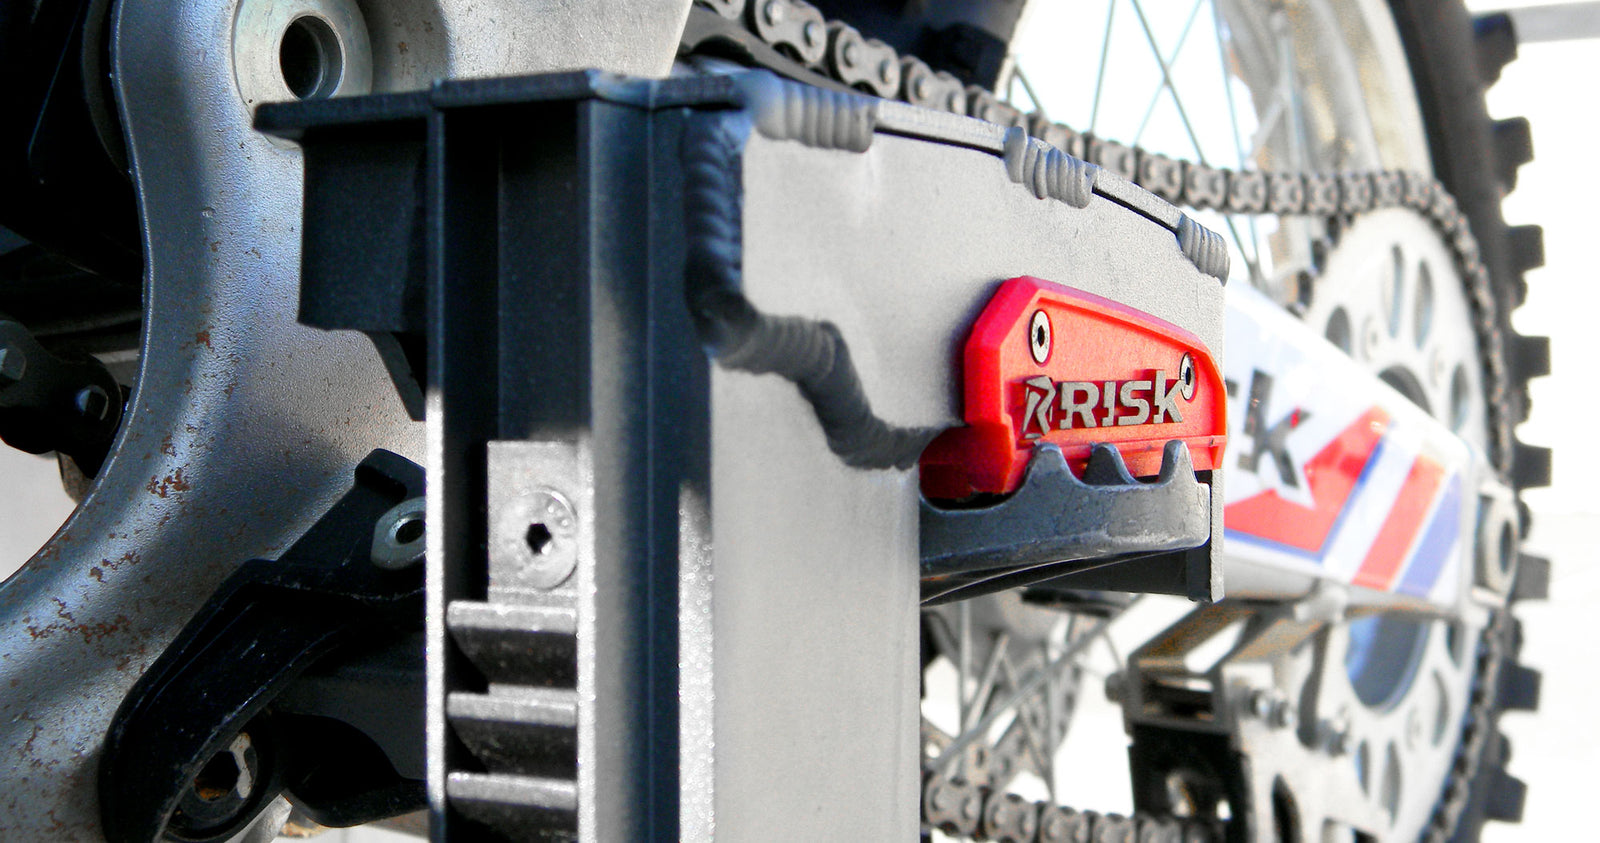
column 964, row 659
column 1166, row 76
column 986, row 685
column 1250, row 258
column 946, row 761
column 1172, row 58
column 1105, row 58
column 1299, row 145
column 1227, row 92
column 1018, row 76
column 1039, row 748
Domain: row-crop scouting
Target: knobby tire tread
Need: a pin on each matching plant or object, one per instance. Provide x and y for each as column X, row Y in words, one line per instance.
column 1443, row 50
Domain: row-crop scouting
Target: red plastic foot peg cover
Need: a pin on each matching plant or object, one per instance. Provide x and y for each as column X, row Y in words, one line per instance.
column 1050, row 364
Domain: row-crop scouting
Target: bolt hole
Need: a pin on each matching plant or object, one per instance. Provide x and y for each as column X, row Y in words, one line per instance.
column 1460, row 399
column 1305, row 288
column 310, row 58
column 1395, row 292
column 1339, row 331
column 1285, row 815
column 218, row 778
column 408, row 531
column 1423, row 316
column 539, row 538
column 1390, row 788
column 1507, row 560
column 1363, row 762
column 1452, row 642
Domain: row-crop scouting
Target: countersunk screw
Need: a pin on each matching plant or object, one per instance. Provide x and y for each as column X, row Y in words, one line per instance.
column 13, row 365
column 538, row 536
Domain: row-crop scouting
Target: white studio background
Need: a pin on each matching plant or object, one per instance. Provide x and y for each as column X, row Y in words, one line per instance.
column 1552, row 84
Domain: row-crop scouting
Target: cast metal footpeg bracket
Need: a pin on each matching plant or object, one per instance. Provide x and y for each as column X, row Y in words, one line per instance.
column 198, row 747
column 1057, row 525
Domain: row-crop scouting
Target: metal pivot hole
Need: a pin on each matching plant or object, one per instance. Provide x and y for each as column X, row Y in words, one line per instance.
column 1186, row 376
column 398, row 538
column 539, row 533
column 1040, row 336
column 222, row 788
column 300, row 49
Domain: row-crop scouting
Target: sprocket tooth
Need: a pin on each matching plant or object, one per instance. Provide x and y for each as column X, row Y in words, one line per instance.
column 1533, row 578
column 1496, row 41
column 1513, row 147
column 1506, row 797
column 1519, row 688
column 1498, row 751
column 1530, row 356
column 1526, row 247
column 1530, row 466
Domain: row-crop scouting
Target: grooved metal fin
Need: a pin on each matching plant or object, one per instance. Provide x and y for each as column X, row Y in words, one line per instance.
column 523, row 729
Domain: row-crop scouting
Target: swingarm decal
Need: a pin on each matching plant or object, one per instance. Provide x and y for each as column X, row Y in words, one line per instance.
column 1330, row 470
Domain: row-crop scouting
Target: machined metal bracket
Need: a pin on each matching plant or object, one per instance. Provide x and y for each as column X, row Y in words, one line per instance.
column 1264, row 707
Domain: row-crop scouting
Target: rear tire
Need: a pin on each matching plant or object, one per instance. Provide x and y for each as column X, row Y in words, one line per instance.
column 1476, row 158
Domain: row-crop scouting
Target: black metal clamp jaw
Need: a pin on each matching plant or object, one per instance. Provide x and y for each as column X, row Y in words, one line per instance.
column 1107, row 531
column 50, row 402
column 219, row 726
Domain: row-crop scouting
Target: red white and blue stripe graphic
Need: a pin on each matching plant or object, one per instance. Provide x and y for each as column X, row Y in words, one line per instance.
column 1331, row 475
column 1380, row 515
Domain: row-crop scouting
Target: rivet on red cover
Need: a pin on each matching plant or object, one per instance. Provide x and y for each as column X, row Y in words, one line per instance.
column 1048, row 363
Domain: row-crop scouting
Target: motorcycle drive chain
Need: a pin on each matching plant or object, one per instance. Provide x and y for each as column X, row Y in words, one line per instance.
column 803, row 45
column 970, row 811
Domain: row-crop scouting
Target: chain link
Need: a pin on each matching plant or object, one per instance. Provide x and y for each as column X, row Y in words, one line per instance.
column 847, row 57
column 962, row 809
column 840, row 53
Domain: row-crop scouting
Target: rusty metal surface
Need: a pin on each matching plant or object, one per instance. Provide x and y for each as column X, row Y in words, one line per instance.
column 245, row 424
